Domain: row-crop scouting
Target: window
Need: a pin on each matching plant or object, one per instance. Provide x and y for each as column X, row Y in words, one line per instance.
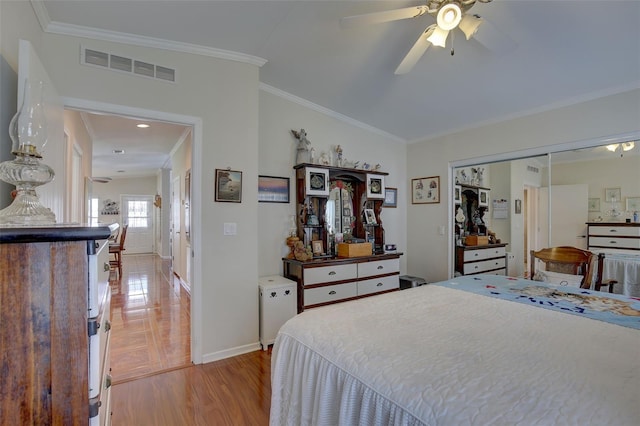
column 93, row 211
column 138, row 214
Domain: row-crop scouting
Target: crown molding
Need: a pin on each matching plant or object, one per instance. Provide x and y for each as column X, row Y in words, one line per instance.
column 326, row 111
column 53, row 27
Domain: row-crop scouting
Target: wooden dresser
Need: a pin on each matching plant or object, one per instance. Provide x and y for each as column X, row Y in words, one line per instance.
column 614, row 235
column 325, row 281
column 486, row 259
column 54, row 316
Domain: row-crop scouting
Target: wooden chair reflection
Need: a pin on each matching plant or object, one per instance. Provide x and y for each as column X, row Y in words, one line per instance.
column 564, row 260
column 116, row 249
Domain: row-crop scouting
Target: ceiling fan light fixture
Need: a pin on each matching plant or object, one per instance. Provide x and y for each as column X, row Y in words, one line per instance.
column 439, row 37
column 449, row 16
column 612, row 147
column 628, row 146
column 469, row 25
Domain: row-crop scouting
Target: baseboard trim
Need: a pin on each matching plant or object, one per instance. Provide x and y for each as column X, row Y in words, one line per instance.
column 228, row 353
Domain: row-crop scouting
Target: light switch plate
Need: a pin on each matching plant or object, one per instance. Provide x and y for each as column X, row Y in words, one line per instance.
column 230, row 228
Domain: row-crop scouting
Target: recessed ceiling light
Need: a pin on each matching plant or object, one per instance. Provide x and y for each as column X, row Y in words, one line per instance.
column 120, row 171
column 118, row 151
column 142, row 125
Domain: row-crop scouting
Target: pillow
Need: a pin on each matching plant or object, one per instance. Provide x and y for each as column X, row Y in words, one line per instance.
column 558, row 279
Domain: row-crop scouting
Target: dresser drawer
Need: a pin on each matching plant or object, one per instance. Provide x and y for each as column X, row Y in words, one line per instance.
column 331, row 293
column 631, row 243
column 616, row 231
column 99, row 344
column 495, row 252
column 471, row 255
column 378, row 267
column 326, row 274
column 98, row 274
column 378, row 284
column 485, row 265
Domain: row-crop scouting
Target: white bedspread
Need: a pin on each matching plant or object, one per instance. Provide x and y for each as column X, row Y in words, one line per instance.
column 436, row 356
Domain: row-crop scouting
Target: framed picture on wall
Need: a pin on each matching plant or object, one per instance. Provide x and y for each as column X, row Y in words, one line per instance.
column 390, row 197
column 612, row 195
column 594, row 204
column 457, row 194
column 273, row 189
column 228, row 186
column 633, row 204
column 425, row 190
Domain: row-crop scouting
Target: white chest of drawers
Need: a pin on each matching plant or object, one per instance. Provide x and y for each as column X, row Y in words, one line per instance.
column 614, row 235
column 323, row 282
column 488, row 259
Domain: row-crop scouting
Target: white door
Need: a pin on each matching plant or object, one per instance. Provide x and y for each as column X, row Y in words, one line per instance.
column 137, row 213
column 567, row 217
column 53, row 194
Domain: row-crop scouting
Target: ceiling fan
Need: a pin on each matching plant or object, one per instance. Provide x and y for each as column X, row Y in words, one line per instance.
column 449, row 14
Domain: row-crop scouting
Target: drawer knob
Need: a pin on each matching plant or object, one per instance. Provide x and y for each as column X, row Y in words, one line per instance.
column 613, row 242
column 106, row 267
column 613, row 230
column 380, row 267
column 332, row 292
column 107, row 381
column 379, row 285
column 332, row 273
column 107, row 326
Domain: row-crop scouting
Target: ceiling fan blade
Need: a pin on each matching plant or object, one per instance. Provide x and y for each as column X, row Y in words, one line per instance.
column 386, row 16
column 415, row 53
column 494, row 39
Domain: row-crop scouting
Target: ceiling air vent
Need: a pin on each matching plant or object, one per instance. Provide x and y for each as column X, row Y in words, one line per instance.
column 164, row 73
column 94, row 57
column 128, row 65
column 533, row 169
column 120, row 63
column 143, row 68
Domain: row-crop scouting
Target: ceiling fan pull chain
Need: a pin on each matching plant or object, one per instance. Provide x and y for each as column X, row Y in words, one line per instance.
column 453, row 36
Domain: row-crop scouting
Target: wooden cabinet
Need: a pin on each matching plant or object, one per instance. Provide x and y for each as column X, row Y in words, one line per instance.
column 325, row 281
column 487, row 259
column 334, row 200
column 49, row 311
column 614, row 235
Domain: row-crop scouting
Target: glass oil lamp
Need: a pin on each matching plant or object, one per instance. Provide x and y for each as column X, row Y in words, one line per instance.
column 28, row 132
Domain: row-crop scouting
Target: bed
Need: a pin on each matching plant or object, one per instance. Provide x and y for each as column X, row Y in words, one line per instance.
column 471, row 350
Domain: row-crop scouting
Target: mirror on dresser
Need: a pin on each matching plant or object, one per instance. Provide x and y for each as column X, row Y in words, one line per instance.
column 340, row 216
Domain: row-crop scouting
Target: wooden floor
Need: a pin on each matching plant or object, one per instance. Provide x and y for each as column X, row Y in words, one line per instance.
column 154, row 380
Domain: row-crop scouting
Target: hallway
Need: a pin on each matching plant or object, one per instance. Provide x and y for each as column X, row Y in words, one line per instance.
column 150, row 319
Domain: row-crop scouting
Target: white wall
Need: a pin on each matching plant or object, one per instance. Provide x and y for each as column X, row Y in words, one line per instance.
column 180, row 163
column 615, row 172
column 163, row 240
column 429, row 253
column 280, row 115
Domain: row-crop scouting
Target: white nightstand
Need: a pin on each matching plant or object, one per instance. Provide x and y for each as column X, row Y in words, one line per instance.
column 278, row 303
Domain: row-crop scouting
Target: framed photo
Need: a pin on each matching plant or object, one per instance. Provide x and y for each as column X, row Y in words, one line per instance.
column 594, row 204
column 316, row 181
column 425, row 190
column 273, row 189
column 457, row 194
column 483, row 197
column 390, row 197
column 375, row 187
column 317, row 247
column 228, row 186
column 518, row 207
column 370, row 217
column 612, row 195
column 633, row 204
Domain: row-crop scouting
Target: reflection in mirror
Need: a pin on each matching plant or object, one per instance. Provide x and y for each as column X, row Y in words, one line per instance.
column 546, row 201
column 339, row 212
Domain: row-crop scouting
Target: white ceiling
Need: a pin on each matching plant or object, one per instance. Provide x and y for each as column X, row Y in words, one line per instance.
column 563, row 52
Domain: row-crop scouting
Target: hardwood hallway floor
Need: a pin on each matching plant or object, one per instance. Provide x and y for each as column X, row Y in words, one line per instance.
column 154, row 380
column 150, row 319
